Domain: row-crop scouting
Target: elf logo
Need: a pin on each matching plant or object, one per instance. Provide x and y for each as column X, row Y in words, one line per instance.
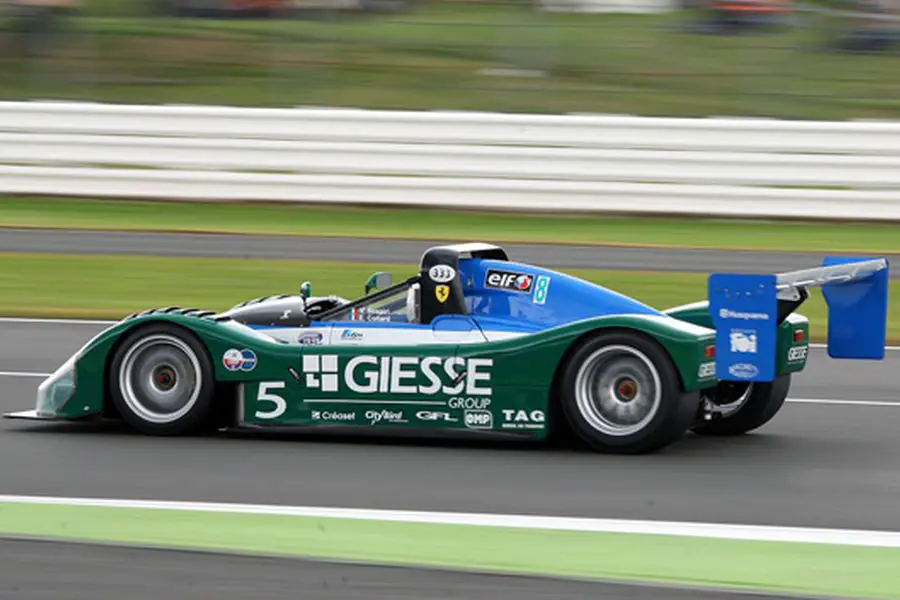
column 508, row 280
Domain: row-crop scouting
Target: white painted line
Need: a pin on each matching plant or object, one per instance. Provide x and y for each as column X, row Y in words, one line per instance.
column 844, row 537
column 54, row 321
column 840, row 402
column 23, row 374
column 824, row 346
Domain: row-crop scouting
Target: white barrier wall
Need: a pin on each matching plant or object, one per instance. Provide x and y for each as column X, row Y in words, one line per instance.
column 725, row 167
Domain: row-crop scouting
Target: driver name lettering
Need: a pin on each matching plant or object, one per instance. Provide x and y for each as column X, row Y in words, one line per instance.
column 430, row 375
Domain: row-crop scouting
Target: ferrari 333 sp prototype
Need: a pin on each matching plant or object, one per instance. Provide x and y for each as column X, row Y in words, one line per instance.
column 474, row 344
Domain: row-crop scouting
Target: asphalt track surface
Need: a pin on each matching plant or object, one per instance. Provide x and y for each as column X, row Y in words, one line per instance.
column 394, row 251
column 96, row 572
column 816, row 465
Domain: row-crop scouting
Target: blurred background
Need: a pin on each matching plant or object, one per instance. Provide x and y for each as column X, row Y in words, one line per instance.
column 818, row 59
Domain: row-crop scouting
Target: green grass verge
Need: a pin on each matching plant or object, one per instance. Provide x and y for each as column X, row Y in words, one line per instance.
column 441, row 224
column 784, row 567
column 50, row 285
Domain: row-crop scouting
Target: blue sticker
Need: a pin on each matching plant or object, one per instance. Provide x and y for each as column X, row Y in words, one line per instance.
column 744, row 309
column 541, row 287
column 249, row 360
column 239, row 360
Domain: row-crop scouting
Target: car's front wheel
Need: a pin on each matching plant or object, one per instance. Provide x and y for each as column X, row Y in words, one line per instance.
column 621, row 394
column 161, row 380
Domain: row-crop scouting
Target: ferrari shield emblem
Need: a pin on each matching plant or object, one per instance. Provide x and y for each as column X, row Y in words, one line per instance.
column 442, row 292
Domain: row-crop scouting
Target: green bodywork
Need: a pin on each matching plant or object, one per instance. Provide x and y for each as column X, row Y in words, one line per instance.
column 504, row 386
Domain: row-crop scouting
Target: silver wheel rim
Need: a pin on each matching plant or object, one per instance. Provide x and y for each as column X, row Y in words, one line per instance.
column 618, row 390
column 160, row 379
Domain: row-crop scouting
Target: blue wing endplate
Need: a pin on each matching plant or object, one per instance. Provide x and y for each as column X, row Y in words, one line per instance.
column 747, row 309
column 857, row 314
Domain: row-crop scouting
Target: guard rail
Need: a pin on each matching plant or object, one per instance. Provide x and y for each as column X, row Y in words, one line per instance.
column 597, row 163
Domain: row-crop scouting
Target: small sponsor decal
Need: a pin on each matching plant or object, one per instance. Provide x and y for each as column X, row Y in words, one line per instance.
column 441, row 274
column 442, row 292
column 478, row 419
column 239, row 360
column 286, row 314
column 385, row 416
column 706, row 370
column 232, row 359
column 743, row 341
column 523, row 419
column 540, row 289
column 310, row 339
column 352, row 335
column 797, row 353
column 508, row 280
column 744, row 316
column 430, row 415
column 333, row 416
column 743, row 371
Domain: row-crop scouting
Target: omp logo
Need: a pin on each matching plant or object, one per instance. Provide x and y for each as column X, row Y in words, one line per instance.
column 321, row 372
column 730, row 314
column 478, row 419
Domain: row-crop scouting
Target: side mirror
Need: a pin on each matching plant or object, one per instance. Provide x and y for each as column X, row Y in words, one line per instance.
column 306, row 289
column 379, row 281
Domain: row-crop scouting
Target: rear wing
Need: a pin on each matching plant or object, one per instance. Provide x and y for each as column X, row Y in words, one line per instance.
column 747, row 310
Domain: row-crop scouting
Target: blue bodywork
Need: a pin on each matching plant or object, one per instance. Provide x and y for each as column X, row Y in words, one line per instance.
column 566, row 299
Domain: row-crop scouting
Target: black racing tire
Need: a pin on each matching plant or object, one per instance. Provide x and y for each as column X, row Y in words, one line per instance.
column 643, row 409
column 762, row 403
column 162, row 382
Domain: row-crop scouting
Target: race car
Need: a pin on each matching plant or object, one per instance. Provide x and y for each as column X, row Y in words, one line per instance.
column 474, row 344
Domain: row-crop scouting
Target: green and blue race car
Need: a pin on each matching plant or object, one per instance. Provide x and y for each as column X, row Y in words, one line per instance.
column 473, row 344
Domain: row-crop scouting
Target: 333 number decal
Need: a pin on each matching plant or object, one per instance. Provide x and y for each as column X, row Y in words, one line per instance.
column 264, row 395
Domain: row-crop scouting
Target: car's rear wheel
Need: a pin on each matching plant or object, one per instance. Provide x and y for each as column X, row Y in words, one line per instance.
column 621, row 394
column 161, row 380
column 746, row 406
